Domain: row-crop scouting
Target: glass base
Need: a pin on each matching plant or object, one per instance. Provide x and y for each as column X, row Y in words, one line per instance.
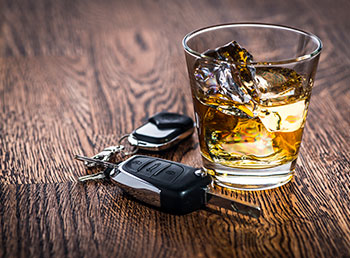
column 250, row 179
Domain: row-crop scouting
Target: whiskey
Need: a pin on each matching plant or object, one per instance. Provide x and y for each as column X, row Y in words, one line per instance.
column 263, row 133
column 241, row 142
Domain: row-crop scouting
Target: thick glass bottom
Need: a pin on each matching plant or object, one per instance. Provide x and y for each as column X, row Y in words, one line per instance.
column 248, row 178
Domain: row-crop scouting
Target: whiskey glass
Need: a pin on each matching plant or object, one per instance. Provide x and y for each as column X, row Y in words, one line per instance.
column 251, row 144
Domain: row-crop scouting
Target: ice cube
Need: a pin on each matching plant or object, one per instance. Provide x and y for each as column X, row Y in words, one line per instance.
column 284, row 118
column 225, row 81
column 231, row 52
column 216, row 78
column 235, row 137
column 277, row 85
column 282, row 99
column 241, row 58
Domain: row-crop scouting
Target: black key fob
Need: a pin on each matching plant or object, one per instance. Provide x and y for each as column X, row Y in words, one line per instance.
column 171, row 186
column 162, row 131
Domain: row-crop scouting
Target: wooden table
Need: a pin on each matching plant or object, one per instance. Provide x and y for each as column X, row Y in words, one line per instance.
column 76, row 75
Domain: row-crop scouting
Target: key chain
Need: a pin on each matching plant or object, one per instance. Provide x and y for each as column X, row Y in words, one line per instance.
column 162, row 131
column 170, row 186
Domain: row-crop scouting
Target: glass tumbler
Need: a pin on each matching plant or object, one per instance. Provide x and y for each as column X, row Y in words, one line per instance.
column 250, row 131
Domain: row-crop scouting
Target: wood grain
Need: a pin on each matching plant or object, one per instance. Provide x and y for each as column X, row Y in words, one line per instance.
column 77, row 75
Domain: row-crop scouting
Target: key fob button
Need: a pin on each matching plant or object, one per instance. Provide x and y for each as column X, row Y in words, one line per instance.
column 169, row 174
column 154, row 168
column 137, row 164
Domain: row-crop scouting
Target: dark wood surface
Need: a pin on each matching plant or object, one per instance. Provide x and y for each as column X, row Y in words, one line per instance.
column 76, row 75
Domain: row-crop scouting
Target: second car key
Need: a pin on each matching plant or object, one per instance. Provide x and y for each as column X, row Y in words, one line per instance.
column 170, row 186
column 162, row 131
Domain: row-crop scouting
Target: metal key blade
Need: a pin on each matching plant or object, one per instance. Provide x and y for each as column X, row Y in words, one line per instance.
column 233, row 205
column 100, row 162
column 100, row 175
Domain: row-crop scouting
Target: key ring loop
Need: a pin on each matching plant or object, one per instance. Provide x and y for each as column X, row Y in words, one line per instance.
column 133, row 150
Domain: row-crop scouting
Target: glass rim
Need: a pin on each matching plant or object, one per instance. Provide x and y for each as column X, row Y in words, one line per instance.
column 305, row 57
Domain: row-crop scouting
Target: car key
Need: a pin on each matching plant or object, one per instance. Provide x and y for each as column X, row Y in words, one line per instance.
column 161, row 132
column 173, row 187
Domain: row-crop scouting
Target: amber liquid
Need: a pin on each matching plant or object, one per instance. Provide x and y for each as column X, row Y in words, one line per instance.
column 243, row 142
column 269, row 138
